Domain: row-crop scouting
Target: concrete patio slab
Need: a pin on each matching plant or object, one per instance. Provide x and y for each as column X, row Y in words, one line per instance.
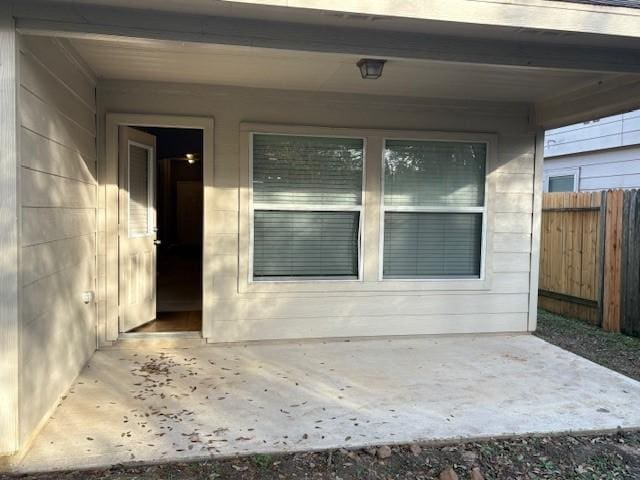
column 152, row 405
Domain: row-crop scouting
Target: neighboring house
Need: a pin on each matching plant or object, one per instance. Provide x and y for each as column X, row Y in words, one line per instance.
column 594, row 155
column 334, row 205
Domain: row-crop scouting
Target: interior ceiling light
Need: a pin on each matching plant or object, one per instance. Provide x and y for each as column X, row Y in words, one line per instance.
column 371, row 68
column 191, row 158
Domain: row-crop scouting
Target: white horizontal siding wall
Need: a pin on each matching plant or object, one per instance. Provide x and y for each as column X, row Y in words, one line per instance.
column 233, row 316
column 58, row 206
column 599, row 170
column 610, row 132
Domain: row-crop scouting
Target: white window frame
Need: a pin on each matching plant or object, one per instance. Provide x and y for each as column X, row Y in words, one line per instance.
column 150, row 189
column 440, row 209
column 370, row 246
column 563, row 172
column 306, row 208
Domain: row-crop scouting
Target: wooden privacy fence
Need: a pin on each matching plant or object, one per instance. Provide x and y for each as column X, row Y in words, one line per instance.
column 571, row 246
column 590, row 258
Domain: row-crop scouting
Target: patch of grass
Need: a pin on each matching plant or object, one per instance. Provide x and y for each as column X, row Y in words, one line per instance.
column 487, row 450
column 262, row 460
column 550, row 322
column 602, row 467
column 547, row 464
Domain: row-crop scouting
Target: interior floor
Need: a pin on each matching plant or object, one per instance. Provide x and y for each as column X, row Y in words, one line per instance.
column 178, row 292
column 188, row 321
column 179, row 284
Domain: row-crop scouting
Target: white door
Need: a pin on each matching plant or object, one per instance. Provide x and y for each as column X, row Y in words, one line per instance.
column 137, row 228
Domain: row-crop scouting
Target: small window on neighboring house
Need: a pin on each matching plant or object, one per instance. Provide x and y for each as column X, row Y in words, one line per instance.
column 562, row 183
column 434, row 209
column 307, row 207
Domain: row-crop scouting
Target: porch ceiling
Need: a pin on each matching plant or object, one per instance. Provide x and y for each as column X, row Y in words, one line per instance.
column 151, row 404
column 170, row 61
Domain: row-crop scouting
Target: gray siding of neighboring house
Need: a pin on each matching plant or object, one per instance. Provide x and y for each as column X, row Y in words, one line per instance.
column 601, row 154
column 58, row 199
column 601, row 170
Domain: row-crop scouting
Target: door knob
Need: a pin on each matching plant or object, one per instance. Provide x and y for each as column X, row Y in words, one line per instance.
column 157, row 242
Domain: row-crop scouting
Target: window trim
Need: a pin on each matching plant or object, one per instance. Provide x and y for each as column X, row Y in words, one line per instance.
column 370, row 284
column 444, row 209
column 307, row 208
column 562, row 172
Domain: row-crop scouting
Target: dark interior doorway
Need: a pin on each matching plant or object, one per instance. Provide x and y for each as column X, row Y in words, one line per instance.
column 179, row 204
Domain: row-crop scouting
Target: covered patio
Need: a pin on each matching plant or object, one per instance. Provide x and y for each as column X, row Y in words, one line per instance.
column 158, row 405
column 470, row 85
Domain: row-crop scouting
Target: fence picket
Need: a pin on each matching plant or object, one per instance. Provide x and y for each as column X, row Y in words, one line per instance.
column 612, row 261
column 630, row 301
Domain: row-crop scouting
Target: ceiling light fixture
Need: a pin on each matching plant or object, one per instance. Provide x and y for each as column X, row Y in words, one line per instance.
column 371, row 68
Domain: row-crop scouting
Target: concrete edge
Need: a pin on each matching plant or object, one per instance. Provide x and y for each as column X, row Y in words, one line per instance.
column 437, row 442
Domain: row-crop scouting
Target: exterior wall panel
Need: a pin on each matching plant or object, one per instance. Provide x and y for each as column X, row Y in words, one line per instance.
column 58, row 237
column 369, row 307
column 9, row 235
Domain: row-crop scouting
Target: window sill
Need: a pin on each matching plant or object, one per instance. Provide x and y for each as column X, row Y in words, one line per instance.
column 360, row 286
column 304, row 279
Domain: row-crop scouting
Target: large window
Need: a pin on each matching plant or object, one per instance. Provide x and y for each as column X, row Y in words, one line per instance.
column 306, row 207
column 433, row 209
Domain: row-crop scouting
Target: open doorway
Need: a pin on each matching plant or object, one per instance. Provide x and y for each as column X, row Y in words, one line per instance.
column 175, row 176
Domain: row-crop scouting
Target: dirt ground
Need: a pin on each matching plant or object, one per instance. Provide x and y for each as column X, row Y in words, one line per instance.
column 567, row 457
column 614, row 456
column 617, row 352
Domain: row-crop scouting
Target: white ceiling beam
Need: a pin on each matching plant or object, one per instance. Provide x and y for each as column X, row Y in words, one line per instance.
column 83, row 21
column 608, row 97
column 536, row 14
column 549, row 15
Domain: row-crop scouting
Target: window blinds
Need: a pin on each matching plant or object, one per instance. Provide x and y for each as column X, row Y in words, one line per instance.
column 432, row 245
column 289, row 170
column 434, row 196
column 433, row 174
column 305, row 244
column 138, row 191
column 307, row 197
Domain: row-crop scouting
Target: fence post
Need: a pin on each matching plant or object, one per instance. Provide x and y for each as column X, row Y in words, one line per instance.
column 612, row 261
column 600, row 265
column 630, row 290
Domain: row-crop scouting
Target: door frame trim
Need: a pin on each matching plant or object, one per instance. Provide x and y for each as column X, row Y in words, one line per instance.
column 107, row 248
